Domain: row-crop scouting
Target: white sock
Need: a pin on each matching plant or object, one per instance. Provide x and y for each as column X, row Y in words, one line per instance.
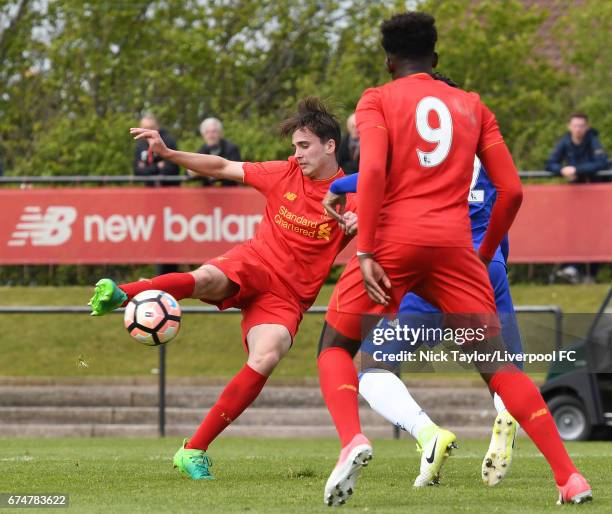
column 389, row 397
column 499, row 404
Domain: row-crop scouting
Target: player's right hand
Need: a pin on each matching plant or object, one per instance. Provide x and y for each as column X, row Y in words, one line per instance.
column 334, row 205
column 156, row 143
column 350, row 223
column 373, row 277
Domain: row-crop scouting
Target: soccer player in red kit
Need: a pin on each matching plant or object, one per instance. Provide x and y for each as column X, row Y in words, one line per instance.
column 273, row 278
column 418, row 140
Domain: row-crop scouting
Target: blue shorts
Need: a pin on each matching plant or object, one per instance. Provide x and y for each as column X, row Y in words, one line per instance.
column 416, row 312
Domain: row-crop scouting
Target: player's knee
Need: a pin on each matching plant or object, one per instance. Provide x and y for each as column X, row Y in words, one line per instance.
column 265, row 362
column 212, row 284
column 202, row 277
column 267, row 344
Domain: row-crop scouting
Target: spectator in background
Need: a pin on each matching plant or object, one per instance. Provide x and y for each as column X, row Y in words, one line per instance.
column 147, row 164
column 348, row 154
column 578, row 155
column 211, row 130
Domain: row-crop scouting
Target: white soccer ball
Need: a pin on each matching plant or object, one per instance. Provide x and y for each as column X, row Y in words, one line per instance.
column 153, row 317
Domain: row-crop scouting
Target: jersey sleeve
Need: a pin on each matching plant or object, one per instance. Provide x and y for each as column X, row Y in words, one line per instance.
column 372, row 166
column 369, row 113
column 344, row 185
column 489, row 131
column 264, row 175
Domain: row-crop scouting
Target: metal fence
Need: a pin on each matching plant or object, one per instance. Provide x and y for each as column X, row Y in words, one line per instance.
column 178, row 179
column 555, row 310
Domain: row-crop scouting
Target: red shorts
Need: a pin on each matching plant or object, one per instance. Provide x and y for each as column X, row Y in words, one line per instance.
column 261, row 297
column 451, row 278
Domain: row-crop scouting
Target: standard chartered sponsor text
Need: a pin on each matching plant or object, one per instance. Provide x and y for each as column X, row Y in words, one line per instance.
column 296, row 223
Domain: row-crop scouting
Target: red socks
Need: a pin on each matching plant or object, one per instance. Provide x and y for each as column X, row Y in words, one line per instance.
column 523, row 400
column 237, row 396
column 179, row 285
column 340, row 386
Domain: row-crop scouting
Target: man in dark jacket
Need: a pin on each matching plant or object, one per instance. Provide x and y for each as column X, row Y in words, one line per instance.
column 211, row 130
column 147, row 164
column 348, row 153
column 578, row 155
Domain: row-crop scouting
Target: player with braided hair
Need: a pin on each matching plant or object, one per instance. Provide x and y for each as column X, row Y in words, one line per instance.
column 418, row 141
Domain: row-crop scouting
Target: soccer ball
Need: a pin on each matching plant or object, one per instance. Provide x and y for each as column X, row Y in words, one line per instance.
column 152, row 317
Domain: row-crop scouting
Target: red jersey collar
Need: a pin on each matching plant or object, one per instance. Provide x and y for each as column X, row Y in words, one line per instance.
column 333, row 177
column 421, row 75
column 340, row 171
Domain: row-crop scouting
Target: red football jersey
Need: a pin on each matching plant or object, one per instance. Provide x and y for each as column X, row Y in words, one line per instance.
column 296, row 237
column 433, row 132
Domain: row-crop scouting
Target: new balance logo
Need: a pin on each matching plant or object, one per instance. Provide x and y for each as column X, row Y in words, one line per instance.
column 290, row 196
column 49, row 228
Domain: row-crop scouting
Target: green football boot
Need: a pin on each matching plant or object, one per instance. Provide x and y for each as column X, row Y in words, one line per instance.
column 107, row 297
column 193, row 463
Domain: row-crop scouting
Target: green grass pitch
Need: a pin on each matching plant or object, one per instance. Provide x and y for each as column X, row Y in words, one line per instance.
column 208, row 346
column 285, row 476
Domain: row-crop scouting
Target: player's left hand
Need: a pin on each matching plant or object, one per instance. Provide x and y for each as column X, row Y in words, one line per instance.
column 156, row 143
column 373, row 277
column 350, row 223
column 331, row 202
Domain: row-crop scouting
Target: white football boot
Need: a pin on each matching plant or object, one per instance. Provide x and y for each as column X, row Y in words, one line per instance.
column 498, row 458
column 341, row 483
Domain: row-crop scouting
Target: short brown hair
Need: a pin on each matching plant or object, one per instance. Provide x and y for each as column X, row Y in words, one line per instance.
column 578, row 115
column 314, row 115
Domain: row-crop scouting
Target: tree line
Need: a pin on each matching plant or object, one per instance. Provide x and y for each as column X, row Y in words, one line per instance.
column 74, row 75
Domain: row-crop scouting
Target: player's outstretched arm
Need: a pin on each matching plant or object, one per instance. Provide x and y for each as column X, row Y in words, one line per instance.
column 205, row 165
